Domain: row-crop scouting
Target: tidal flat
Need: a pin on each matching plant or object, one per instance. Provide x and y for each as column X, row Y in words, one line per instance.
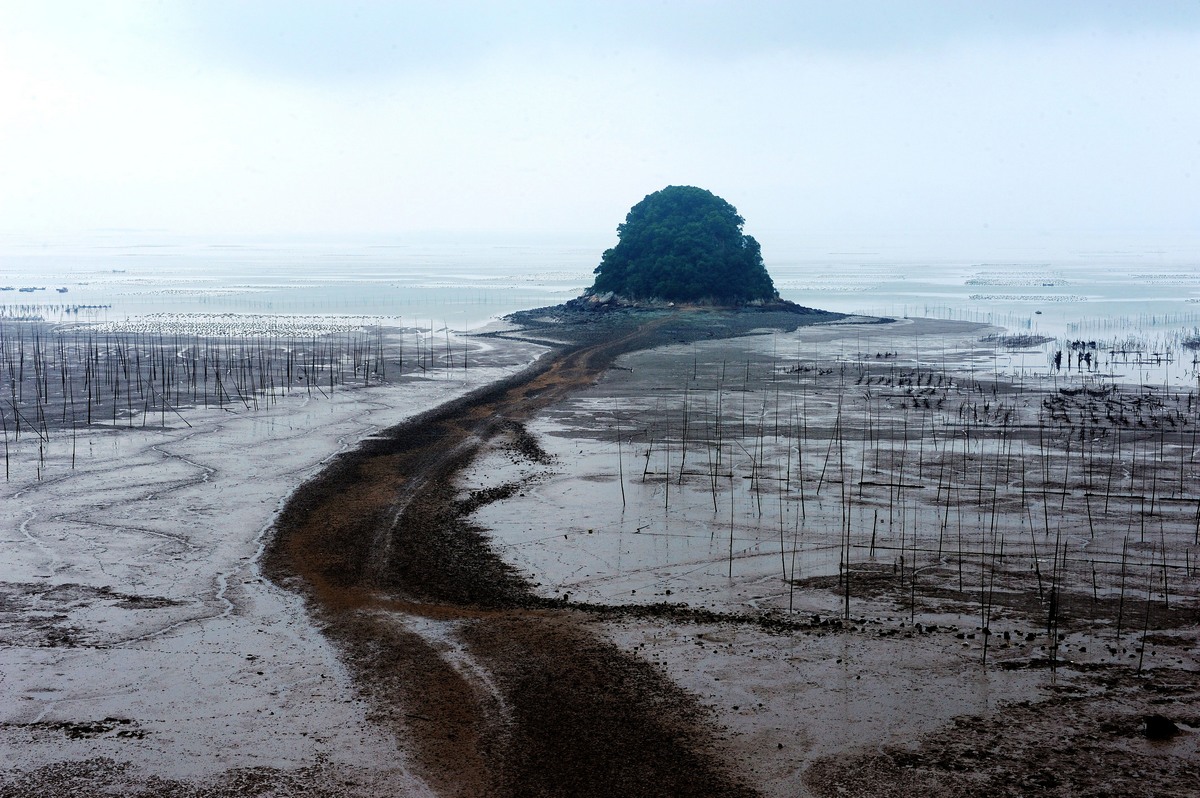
column 143, row 651
column 885, row 558
column 858, row 556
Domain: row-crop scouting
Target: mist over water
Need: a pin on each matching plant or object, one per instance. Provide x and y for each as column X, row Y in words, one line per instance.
column 463, row 282
column 455, row 284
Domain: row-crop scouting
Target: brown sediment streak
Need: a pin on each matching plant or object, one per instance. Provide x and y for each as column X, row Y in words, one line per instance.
column 508, row 695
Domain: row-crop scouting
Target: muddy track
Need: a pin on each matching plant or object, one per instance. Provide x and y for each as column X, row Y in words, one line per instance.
column 492, row 690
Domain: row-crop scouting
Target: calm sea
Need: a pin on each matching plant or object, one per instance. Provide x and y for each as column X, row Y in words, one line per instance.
column 465, row 283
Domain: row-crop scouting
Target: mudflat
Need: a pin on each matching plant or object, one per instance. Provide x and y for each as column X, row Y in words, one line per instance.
column 696, row 552
column 884, row 558
column 496, row 690
column 675, row 561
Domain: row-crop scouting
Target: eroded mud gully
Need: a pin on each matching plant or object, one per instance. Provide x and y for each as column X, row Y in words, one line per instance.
column 494, row 691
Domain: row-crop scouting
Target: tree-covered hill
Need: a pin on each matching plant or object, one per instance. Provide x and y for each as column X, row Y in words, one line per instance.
column 684, row 244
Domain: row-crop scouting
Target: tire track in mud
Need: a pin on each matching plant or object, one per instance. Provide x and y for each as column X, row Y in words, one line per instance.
column 378, row 536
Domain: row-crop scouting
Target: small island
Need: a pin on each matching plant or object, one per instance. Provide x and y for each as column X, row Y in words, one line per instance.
column 680, row 248
column 683, row 244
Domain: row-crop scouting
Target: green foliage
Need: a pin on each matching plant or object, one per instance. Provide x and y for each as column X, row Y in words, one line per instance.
column 684, row 244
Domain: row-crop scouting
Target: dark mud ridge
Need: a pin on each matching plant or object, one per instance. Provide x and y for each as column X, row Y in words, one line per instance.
column 379, row 545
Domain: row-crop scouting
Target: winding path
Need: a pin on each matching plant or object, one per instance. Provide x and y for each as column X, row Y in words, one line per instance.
column 494, row 691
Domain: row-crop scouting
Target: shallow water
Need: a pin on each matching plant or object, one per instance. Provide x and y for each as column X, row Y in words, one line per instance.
column 461, row 285
column 1122, row 297
column 470, row 280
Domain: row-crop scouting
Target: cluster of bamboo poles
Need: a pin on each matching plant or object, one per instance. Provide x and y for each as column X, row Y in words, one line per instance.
column 1082, row 503
column 54, row 381
column 39, row 311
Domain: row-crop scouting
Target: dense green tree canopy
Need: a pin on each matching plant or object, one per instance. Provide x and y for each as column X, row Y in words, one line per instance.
column 684, row 244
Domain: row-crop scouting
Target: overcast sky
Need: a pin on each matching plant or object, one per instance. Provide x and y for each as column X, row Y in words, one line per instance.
column 1013, row 119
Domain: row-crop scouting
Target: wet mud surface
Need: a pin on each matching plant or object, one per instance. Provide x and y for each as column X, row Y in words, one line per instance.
column 1106, row 739
column 495, row 690
column 961, row 576
column 493, row 675
column 141, row 650
column 106, row 776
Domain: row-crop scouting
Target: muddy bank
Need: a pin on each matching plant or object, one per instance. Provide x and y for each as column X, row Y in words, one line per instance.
column 141, row 651
column 497, row 691
column 861, row 537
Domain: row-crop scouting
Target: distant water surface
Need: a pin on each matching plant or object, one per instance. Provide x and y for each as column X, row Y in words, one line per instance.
column 462, row 285
column 465, row 282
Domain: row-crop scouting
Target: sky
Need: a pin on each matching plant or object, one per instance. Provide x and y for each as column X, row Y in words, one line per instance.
column 1004, row 121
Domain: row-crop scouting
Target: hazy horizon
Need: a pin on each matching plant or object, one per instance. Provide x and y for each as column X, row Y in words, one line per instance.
column 779, row 246
column 932, row 125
